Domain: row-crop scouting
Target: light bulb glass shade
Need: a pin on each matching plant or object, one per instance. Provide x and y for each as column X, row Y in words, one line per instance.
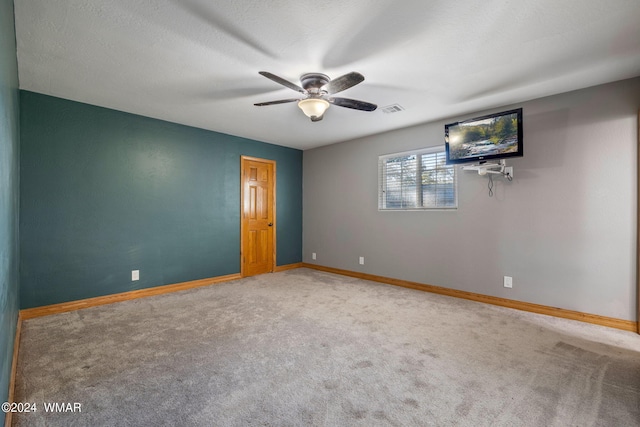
column 313, row 107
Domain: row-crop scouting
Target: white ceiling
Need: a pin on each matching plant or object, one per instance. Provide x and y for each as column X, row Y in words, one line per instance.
column 196, row 62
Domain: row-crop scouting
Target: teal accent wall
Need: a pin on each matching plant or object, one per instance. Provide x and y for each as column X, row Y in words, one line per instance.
column 105, row 192
column 9, row 194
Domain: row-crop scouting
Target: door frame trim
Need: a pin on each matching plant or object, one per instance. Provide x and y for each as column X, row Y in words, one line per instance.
column 242, row 227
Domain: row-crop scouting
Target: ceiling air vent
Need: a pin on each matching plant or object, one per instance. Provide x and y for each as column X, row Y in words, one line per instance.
column 394, row 108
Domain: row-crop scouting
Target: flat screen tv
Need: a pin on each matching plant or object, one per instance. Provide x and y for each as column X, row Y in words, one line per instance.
column 490, row 137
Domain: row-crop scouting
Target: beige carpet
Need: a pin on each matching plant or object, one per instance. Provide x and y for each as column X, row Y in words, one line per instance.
column 306, row 348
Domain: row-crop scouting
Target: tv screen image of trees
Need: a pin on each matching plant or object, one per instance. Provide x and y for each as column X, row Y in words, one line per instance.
column 488, row 137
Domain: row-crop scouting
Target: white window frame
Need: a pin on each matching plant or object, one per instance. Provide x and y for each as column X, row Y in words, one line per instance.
column 382, row 179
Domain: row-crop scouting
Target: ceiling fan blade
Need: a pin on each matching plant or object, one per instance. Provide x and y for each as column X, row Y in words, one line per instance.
column 343, row 83
column 280, row 101
column 282, row 81
column 353, row 103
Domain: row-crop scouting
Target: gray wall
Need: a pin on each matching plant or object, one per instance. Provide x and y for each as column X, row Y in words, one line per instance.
column 9, row 200
column 564, row 229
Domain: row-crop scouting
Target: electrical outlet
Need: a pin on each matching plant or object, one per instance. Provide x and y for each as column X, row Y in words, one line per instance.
column 508, row 282
column 135, row 275
column 361, row 260
column 509, row 171
column 313, row 255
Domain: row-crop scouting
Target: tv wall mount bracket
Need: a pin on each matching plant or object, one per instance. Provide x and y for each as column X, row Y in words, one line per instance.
column 484, row 168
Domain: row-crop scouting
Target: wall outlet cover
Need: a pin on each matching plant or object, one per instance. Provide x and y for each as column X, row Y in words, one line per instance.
column 509, row 171
column 508, row 282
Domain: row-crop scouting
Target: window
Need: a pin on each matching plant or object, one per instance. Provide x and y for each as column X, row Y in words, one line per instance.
column 418, row 179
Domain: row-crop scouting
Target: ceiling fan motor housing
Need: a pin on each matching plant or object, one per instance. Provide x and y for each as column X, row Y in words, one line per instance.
column 312, row 82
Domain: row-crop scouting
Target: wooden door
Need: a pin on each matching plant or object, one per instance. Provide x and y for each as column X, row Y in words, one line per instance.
column 258, row 216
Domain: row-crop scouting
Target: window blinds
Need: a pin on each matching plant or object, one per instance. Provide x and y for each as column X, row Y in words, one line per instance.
column 419, row 179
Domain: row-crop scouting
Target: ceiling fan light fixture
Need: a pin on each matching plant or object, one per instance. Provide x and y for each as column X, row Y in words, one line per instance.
column 314, row 108
column 317, row 88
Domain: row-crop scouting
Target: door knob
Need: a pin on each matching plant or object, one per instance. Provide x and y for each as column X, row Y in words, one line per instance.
column 270, row 224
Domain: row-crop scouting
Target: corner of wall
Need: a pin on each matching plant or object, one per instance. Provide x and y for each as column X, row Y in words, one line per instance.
column 10, row 196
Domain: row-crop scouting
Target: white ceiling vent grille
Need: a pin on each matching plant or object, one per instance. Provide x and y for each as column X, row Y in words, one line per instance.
column 390, row 109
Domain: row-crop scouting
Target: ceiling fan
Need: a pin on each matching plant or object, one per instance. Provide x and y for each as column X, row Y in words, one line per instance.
column 317, row 89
